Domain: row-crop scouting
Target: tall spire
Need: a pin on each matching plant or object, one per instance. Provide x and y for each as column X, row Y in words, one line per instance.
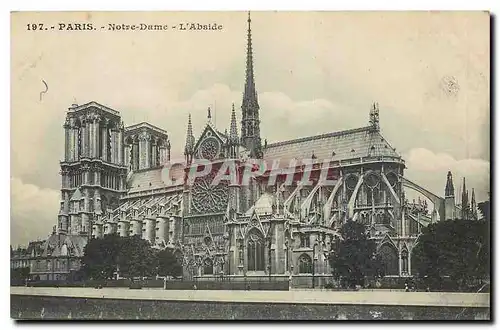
column 250, row 94
column 465, row 202
column 449, row 190
column 189, row 148
column 250, row 123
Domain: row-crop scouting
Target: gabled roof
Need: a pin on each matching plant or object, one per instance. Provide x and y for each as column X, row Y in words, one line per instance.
column 55, row 242
column 349, row 144
column 209, row 127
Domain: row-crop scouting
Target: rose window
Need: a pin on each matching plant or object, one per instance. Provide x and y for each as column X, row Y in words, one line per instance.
column 209, row 198
column 371, row 180
column 209, row 148
column 351, row 182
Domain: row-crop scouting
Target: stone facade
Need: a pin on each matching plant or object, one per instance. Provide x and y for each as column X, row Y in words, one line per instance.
column 118, row 179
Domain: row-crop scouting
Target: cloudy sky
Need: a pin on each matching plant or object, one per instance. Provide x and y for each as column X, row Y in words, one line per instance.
column 315, row 73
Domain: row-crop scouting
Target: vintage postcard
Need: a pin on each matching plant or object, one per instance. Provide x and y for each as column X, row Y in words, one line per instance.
column 250, row 165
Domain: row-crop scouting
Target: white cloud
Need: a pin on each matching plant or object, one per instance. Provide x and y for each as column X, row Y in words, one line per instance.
column 33, row 211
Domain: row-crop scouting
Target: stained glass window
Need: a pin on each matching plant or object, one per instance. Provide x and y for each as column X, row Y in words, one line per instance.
column 256, row 252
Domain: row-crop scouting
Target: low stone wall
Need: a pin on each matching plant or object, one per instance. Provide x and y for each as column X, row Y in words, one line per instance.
column 26, row 307
column 121, row 283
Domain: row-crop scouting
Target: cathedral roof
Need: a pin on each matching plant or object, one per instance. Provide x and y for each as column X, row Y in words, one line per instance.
column 343, row 145
column 146, row 180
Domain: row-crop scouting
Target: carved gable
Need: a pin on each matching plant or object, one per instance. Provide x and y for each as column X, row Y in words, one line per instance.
column 211, row 144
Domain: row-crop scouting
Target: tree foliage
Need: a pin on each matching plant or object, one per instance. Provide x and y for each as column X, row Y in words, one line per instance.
column 168, row 264
column 454, row 249
column 100, row 258
column 484, row 207
column 354, row 256
column 19, row 274
column 137, row 258
column 129, row 256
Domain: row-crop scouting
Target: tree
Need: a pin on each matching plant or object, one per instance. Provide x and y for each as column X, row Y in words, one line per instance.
column 100, row 257
column 484, row 207
column 354, row 256
column 457, row 250
column 168, row 264
column 19, row 274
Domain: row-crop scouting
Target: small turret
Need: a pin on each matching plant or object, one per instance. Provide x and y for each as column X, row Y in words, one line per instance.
column 233, row 130
column 374, row 117
column 449, row 190
column 189, row 148
column 449, row 198
column 473, row 206
column 465, row 202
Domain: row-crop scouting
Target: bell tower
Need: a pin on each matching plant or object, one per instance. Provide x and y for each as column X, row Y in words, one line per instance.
column 92, row 172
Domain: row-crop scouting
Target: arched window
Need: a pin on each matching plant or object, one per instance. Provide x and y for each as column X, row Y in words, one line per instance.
column 305, row 264
column 255, row 251
column 208, row 267
column 404, row 261
column 64, row 250
column 389, row 256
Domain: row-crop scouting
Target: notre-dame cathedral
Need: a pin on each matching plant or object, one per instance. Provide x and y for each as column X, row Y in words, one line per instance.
column 114, row 181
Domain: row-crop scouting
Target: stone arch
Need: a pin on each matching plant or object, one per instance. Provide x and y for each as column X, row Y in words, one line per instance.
column 255, row 250
column 364, row 217
column 129, row 140
column 304, row 264
column 436, row 200
column 208, row 266
column 64, row 250
column 405, row 254
column 389, row 255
